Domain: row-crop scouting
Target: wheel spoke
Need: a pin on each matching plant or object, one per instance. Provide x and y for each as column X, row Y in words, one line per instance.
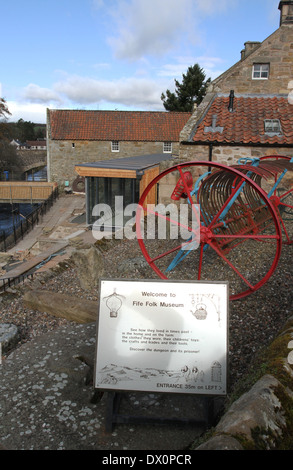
column 286, row 205
column 200, row 262
column 253, row 237
column 286, row 194
column 168, row 252
column 231, row 265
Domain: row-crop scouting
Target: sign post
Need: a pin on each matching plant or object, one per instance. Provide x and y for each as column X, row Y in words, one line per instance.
column 162, row 336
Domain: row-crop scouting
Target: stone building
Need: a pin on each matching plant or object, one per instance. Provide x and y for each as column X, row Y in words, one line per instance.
column 76, row 137
column 247, row 111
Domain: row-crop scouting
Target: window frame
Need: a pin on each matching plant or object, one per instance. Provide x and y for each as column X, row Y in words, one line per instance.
column 263, row 67
column 276, row 128
column 167, row 147
column 115, row 146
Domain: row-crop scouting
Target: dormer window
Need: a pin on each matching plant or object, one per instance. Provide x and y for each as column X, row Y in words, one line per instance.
column 260, row 71
column 272, row 127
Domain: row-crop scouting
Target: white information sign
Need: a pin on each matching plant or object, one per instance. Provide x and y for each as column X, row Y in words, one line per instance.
column 162, row 336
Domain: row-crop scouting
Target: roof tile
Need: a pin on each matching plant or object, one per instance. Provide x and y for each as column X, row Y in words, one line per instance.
column 116, row 125
column 246, row 123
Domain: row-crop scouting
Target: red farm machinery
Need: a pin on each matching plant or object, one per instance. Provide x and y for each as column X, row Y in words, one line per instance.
column 219, row 223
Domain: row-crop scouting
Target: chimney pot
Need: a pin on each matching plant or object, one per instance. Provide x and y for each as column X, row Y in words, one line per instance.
column 286, row 9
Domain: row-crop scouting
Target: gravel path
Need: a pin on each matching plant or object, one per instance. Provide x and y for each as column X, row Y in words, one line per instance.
column 254, row 321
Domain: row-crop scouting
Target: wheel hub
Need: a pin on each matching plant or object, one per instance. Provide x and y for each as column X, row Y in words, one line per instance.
column 275, row 200
column 206, row 234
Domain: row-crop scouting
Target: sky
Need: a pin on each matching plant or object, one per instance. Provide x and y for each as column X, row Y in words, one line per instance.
column 118, row 54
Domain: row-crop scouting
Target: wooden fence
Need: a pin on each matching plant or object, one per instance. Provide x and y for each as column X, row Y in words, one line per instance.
column 25, row 192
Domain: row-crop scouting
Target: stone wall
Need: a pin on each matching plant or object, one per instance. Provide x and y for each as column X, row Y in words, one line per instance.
column 261, row 419
column 277, row 50
column 63, row 156
column 228, row 154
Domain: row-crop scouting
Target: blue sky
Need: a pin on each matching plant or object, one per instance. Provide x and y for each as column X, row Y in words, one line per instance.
column 118, row 54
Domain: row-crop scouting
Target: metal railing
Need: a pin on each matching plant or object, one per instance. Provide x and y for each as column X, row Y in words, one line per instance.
column 9, row 238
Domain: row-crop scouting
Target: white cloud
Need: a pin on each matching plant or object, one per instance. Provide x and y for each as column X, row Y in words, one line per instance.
column 154, row 27
column 27, row 112
column 36, row 94
column 133, row 92
column 149, row 27
column 210, row 65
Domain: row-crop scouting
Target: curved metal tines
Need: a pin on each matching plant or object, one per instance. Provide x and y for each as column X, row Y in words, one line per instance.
column 277, row 165
column 230, row 206
column 266, row 168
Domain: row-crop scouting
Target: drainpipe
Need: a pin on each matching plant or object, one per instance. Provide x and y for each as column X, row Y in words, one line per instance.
column 210, row 154
column 87, row 203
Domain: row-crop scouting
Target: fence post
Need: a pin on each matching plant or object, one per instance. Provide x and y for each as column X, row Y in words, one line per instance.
column 4, row 239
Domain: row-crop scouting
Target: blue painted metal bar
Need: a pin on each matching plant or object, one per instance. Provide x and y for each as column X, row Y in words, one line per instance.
column 278, row 181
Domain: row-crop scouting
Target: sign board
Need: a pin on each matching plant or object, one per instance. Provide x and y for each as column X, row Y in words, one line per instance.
column 162, row 336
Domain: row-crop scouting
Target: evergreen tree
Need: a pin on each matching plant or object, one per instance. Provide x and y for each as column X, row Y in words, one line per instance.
column 190, row 91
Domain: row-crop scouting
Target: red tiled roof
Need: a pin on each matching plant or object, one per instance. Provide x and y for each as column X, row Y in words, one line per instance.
column 246, row 123
column 117, row 125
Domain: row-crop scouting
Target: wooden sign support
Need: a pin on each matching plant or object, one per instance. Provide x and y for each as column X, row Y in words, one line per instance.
column 162, row 337
column 114, row 417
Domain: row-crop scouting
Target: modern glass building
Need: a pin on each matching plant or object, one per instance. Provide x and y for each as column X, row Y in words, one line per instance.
column 126, row 177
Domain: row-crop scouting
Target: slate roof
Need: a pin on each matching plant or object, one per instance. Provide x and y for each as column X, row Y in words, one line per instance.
column 116, row 125
column 131, row 163
column 245, row 125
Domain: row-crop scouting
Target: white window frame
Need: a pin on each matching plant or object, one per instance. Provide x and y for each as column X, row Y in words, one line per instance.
column 273, row 127
column 264, row 71
column 167, row 147
column 115, row 146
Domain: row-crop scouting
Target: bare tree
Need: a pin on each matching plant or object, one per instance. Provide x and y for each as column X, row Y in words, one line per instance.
column 8, row 155
column 4, row 111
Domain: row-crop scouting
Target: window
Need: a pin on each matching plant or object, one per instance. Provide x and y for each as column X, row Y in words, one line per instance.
column 272, row 126
column 103, row 190
column 167, row 147
column 260, row 71
column 115, row 146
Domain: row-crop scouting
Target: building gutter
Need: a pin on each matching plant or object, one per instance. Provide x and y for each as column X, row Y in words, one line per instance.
column 236, row 144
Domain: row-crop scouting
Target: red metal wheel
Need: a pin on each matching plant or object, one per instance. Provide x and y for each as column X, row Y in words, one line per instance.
column 229, row 230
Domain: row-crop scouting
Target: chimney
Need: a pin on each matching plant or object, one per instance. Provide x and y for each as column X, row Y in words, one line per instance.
column 286, row 9
column 231, row 102
column 250, row 46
